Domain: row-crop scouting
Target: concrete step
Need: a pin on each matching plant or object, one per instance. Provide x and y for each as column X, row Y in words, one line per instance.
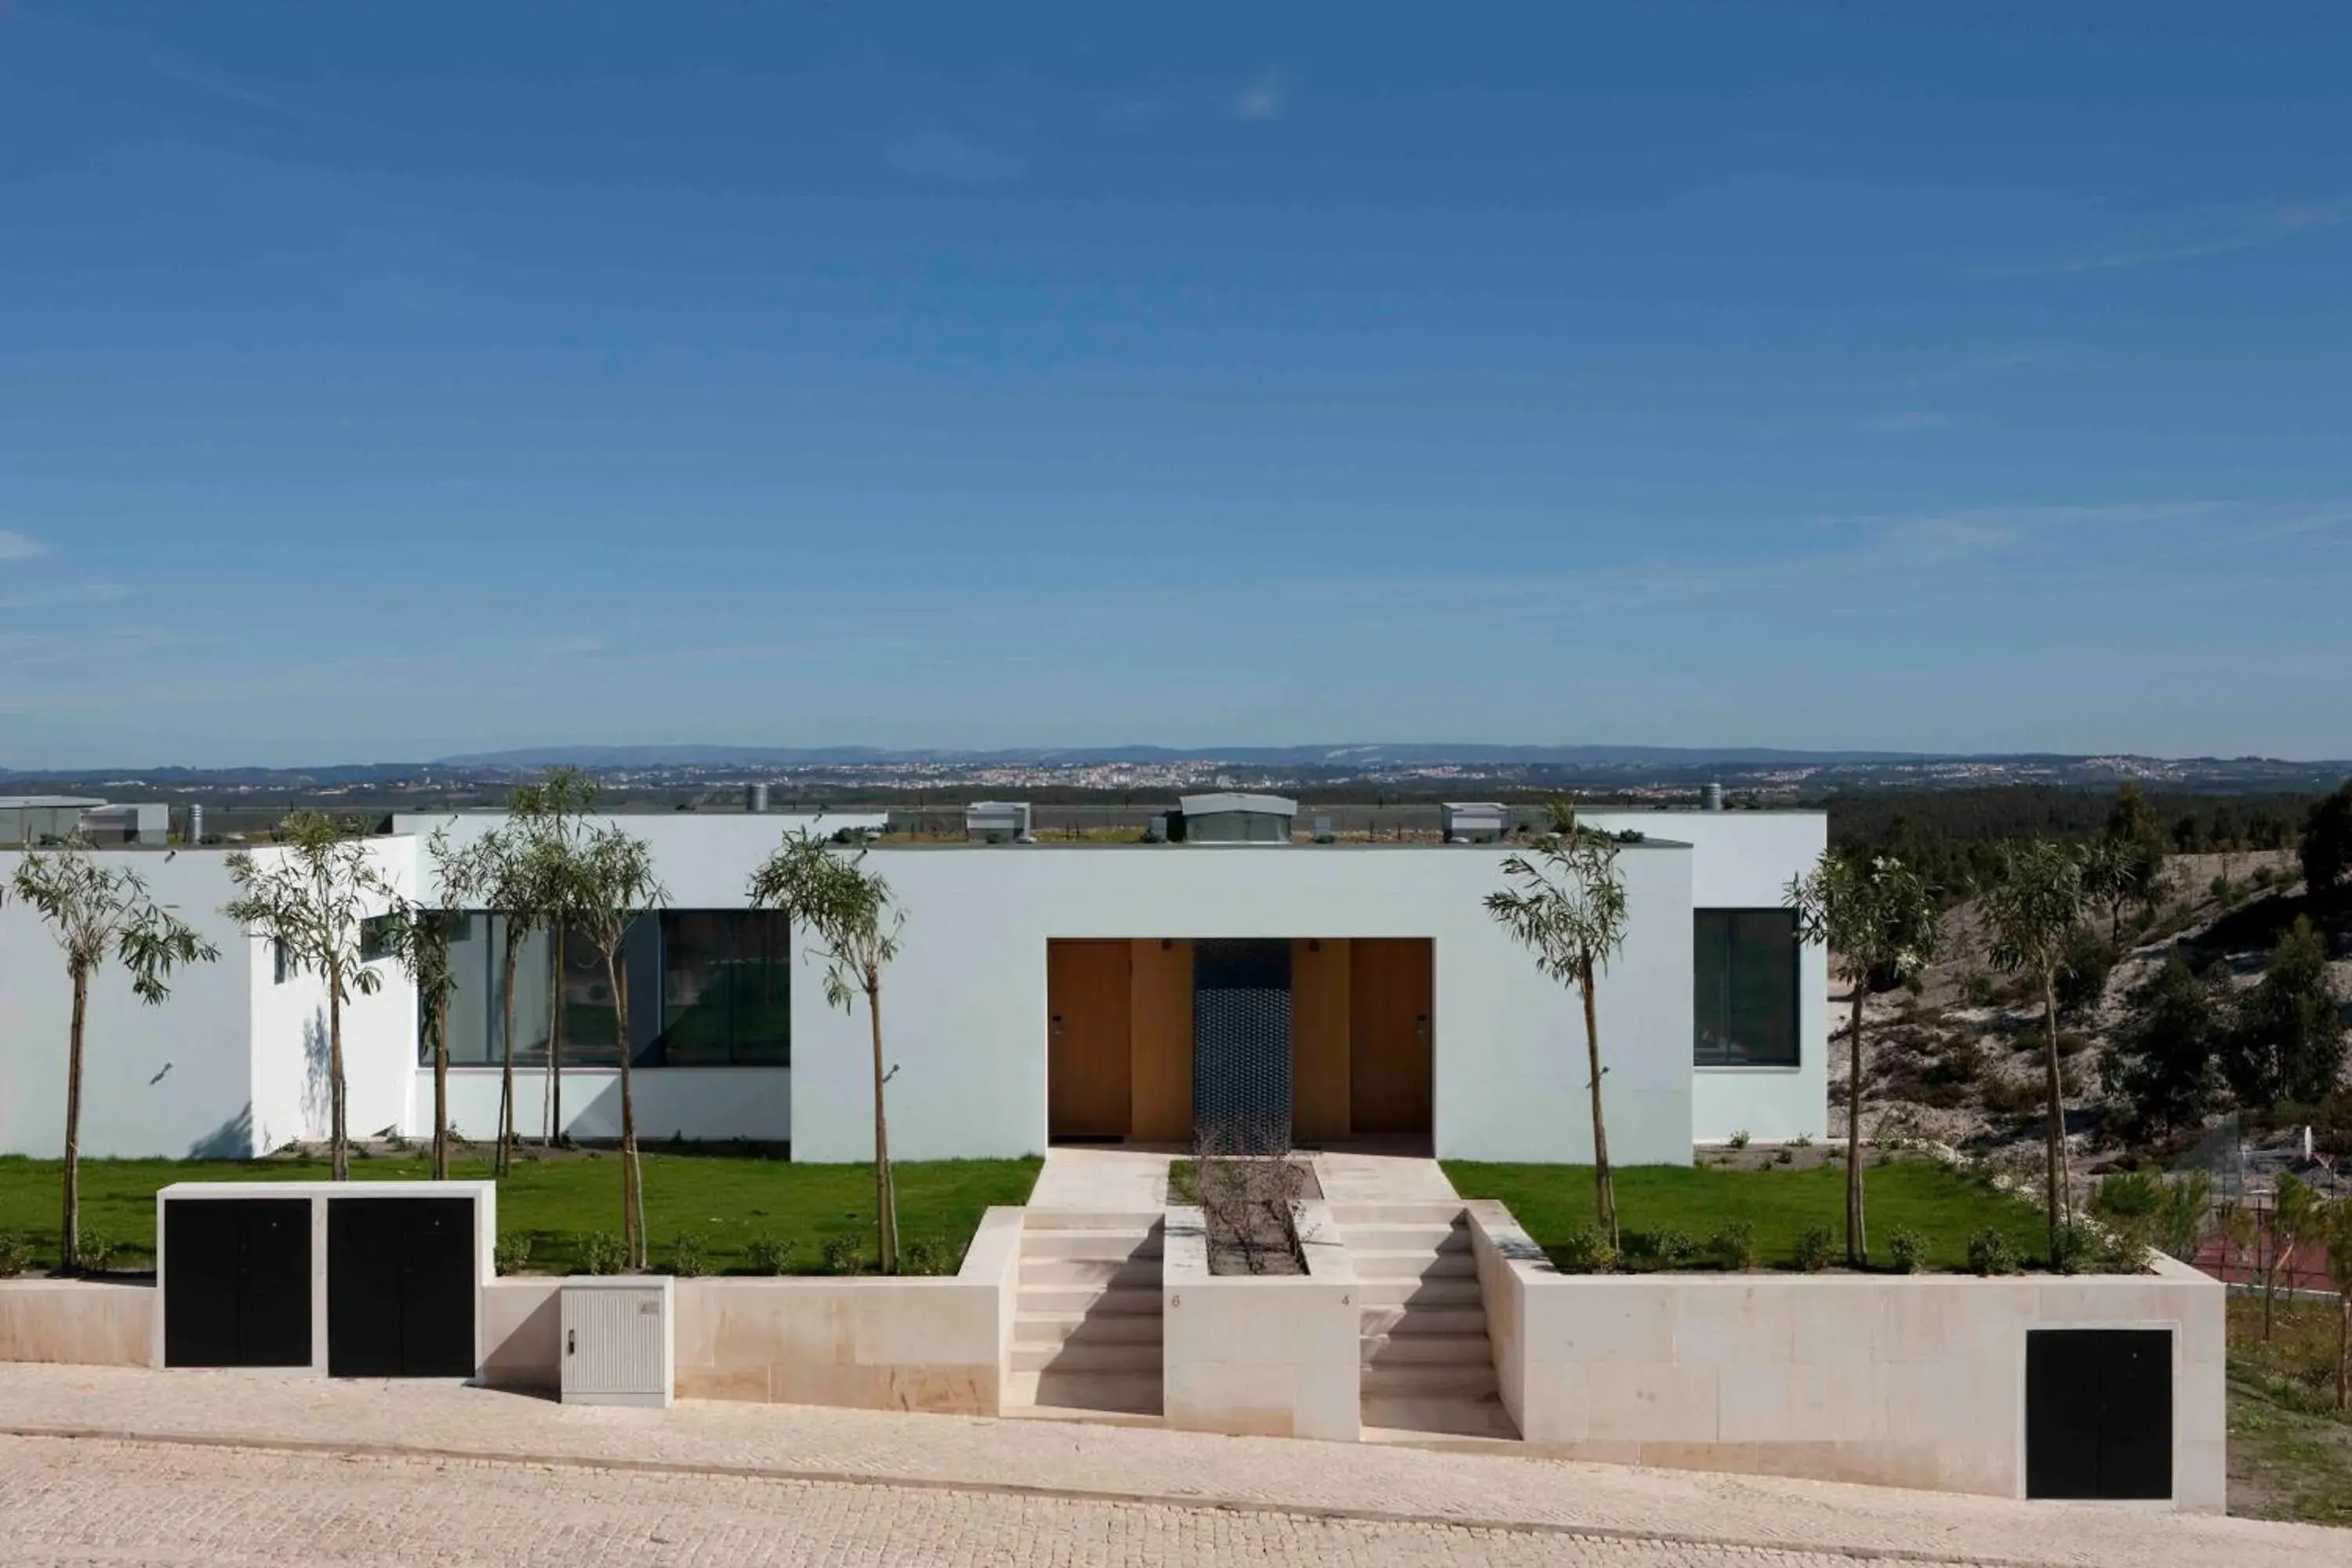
column 1440, row 1213
column 1086, row 1327
column 1412, row 1380
column 1406, row 1238
column 1099, row 1272
column 1137, row 1222
column 1088, row 1356
column 1428, row 1350
column 1452, row 1290
column 1423, row 1319
column 1414, row 1265
column 1388, row 1418
column 1120, row 1393
column 1087, row 1244
column 1090, row 1299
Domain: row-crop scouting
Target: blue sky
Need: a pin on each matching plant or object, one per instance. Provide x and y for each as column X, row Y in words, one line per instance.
column 377, row 382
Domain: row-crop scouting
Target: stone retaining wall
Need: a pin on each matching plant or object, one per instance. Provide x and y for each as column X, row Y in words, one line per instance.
column 84, row 1323
column 1270, row 1355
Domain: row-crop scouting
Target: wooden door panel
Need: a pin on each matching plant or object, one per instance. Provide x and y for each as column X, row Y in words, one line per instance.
column 1087, row 1057
column 1389, row 998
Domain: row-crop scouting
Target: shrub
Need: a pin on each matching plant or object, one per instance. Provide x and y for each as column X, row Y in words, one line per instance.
column 512, row 1254
column 2014, row 1098
column 769, row 1255
column 16, row 1255
column 2072, row 1044
column 600, row 1253
column 2075, row 1250
column 97, row 1251
column 1733, row 1248
column 1737, row 1139
column 1784, row 1158
column 844, row 1255
column 1978, row 989
column 1802, row 1141
column 1814, row 1249
column 1989, row 1254
column 1586, row 1251
column 928, row 1255
column 686, row 1257
column 2123, row 1252
column 1906, row 1249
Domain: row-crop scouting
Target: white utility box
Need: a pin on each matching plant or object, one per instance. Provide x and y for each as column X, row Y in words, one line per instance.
column 618, row 1346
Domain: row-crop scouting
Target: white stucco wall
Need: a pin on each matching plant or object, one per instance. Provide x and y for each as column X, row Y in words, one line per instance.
column 171, row 1080
column 704, row 862
column 1744, row 860
column 712, row 1102
column 965, row 1016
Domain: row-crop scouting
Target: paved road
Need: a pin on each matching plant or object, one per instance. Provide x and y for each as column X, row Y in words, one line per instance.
column 95, row 1501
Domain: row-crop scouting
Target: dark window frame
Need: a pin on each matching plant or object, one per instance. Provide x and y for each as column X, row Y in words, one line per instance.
column 1795, row 1058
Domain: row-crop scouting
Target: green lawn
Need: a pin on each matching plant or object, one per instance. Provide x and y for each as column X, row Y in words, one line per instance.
column 1944, row 1205
column 727, row 1199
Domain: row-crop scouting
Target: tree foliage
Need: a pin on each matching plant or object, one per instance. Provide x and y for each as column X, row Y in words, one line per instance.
column 2327, row 846
column 2287, row 1042
column 2032, row 912
column 1567, row 907
column 417, row 933
column 846, row 913
column 309, row 899
column 2162, row 1065
column 612, row 883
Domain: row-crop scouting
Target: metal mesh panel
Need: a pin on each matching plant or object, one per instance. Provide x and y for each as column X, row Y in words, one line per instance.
column 1241, row 1046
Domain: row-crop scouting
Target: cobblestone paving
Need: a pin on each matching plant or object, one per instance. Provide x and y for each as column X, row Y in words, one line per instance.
column 1421, row 1488
column 71, row 1502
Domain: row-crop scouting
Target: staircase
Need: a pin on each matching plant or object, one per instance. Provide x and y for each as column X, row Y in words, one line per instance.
column 1428, row 1367
column 1085, row 1330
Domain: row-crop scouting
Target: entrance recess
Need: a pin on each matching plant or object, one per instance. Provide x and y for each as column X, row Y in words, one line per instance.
column 1088, row 1073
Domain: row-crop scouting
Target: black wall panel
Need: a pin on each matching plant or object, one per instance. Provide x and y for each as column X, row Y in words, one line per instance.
column 1241, row 1044
column 2098, row 1412
column 400, row 1286
column 236, row 1282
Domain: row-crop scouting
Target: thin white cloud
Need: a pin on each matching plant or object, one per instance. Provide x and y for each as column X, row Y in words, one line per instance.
column 1266, row 98
column 1910, row 422
column 952, row 156
column 19, row 546
column 2251, row 231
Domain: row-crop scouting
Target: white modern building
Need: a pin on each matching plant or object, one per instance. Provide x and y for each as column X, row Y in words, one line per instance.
column 1043, row 993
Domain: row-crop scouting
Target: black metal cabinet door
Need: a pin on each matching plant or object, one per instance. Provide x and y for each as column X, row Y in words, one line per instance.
column 2098, row 1412
column 236, row 1282
column 400, row 1288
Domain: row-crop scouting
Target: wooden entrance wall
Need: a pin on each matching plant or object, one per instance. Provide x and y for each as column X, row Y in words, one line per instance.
column 1088, row 1070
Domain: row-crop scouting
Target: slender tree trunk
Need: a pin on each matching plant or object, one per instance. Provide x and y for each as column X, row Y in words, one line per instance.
column 69, row 1225
column 1857, row 1241
column 441, row 1087
column 504, row 1160
column 2343, row 1351
column 886, row 1197
column 555, row 1036
column 633, row 1189
column 339, row 1142
column 1604, row 1185
column 2059, row 1189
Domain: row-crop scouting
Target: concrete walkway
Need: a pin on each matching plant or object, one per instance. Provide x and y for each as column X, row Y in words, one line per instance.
column 1106, row 1179
column 1106, row 1465
column 1349, row 1177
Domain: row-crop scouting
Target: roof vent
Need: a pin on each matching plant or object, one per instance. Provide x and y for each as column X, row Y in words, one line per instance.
column 1710, row 797
column 1474, row 821
column 997, row 822
column 1233, row 818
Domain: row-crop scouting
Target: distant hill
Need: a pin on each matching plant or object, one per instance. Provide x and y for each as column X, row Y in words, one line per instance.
column 1357, row 754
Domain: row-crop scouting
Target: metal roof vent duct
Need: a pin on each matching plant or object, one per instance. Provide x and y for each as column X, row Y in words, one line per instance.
column 1233, row 818
column 997, row 822
column 755, row 799
column 1474, row 821
column 1710, row 797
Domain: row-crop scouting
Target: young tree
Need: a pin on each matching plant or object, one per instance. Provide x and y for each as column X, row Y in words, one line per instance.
column 2161, row 1065
column 94, row 911
column 2183, row 1220
column 502, row 867
column 2339, row 1274
column 546, row 818
column 2292, row 1221
column 613, row 884
column 2288, row 1040
column 417, row 935
column 310, row 898
column 2327, row 846
column 1881, row 918
column 847, row 915
column 2032, row 911
column 1568, row 909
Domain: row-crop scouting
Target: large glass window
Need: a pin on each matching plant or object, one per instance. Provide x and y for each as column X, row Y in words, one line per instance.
column 1745, row 1007
column 707, row 987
